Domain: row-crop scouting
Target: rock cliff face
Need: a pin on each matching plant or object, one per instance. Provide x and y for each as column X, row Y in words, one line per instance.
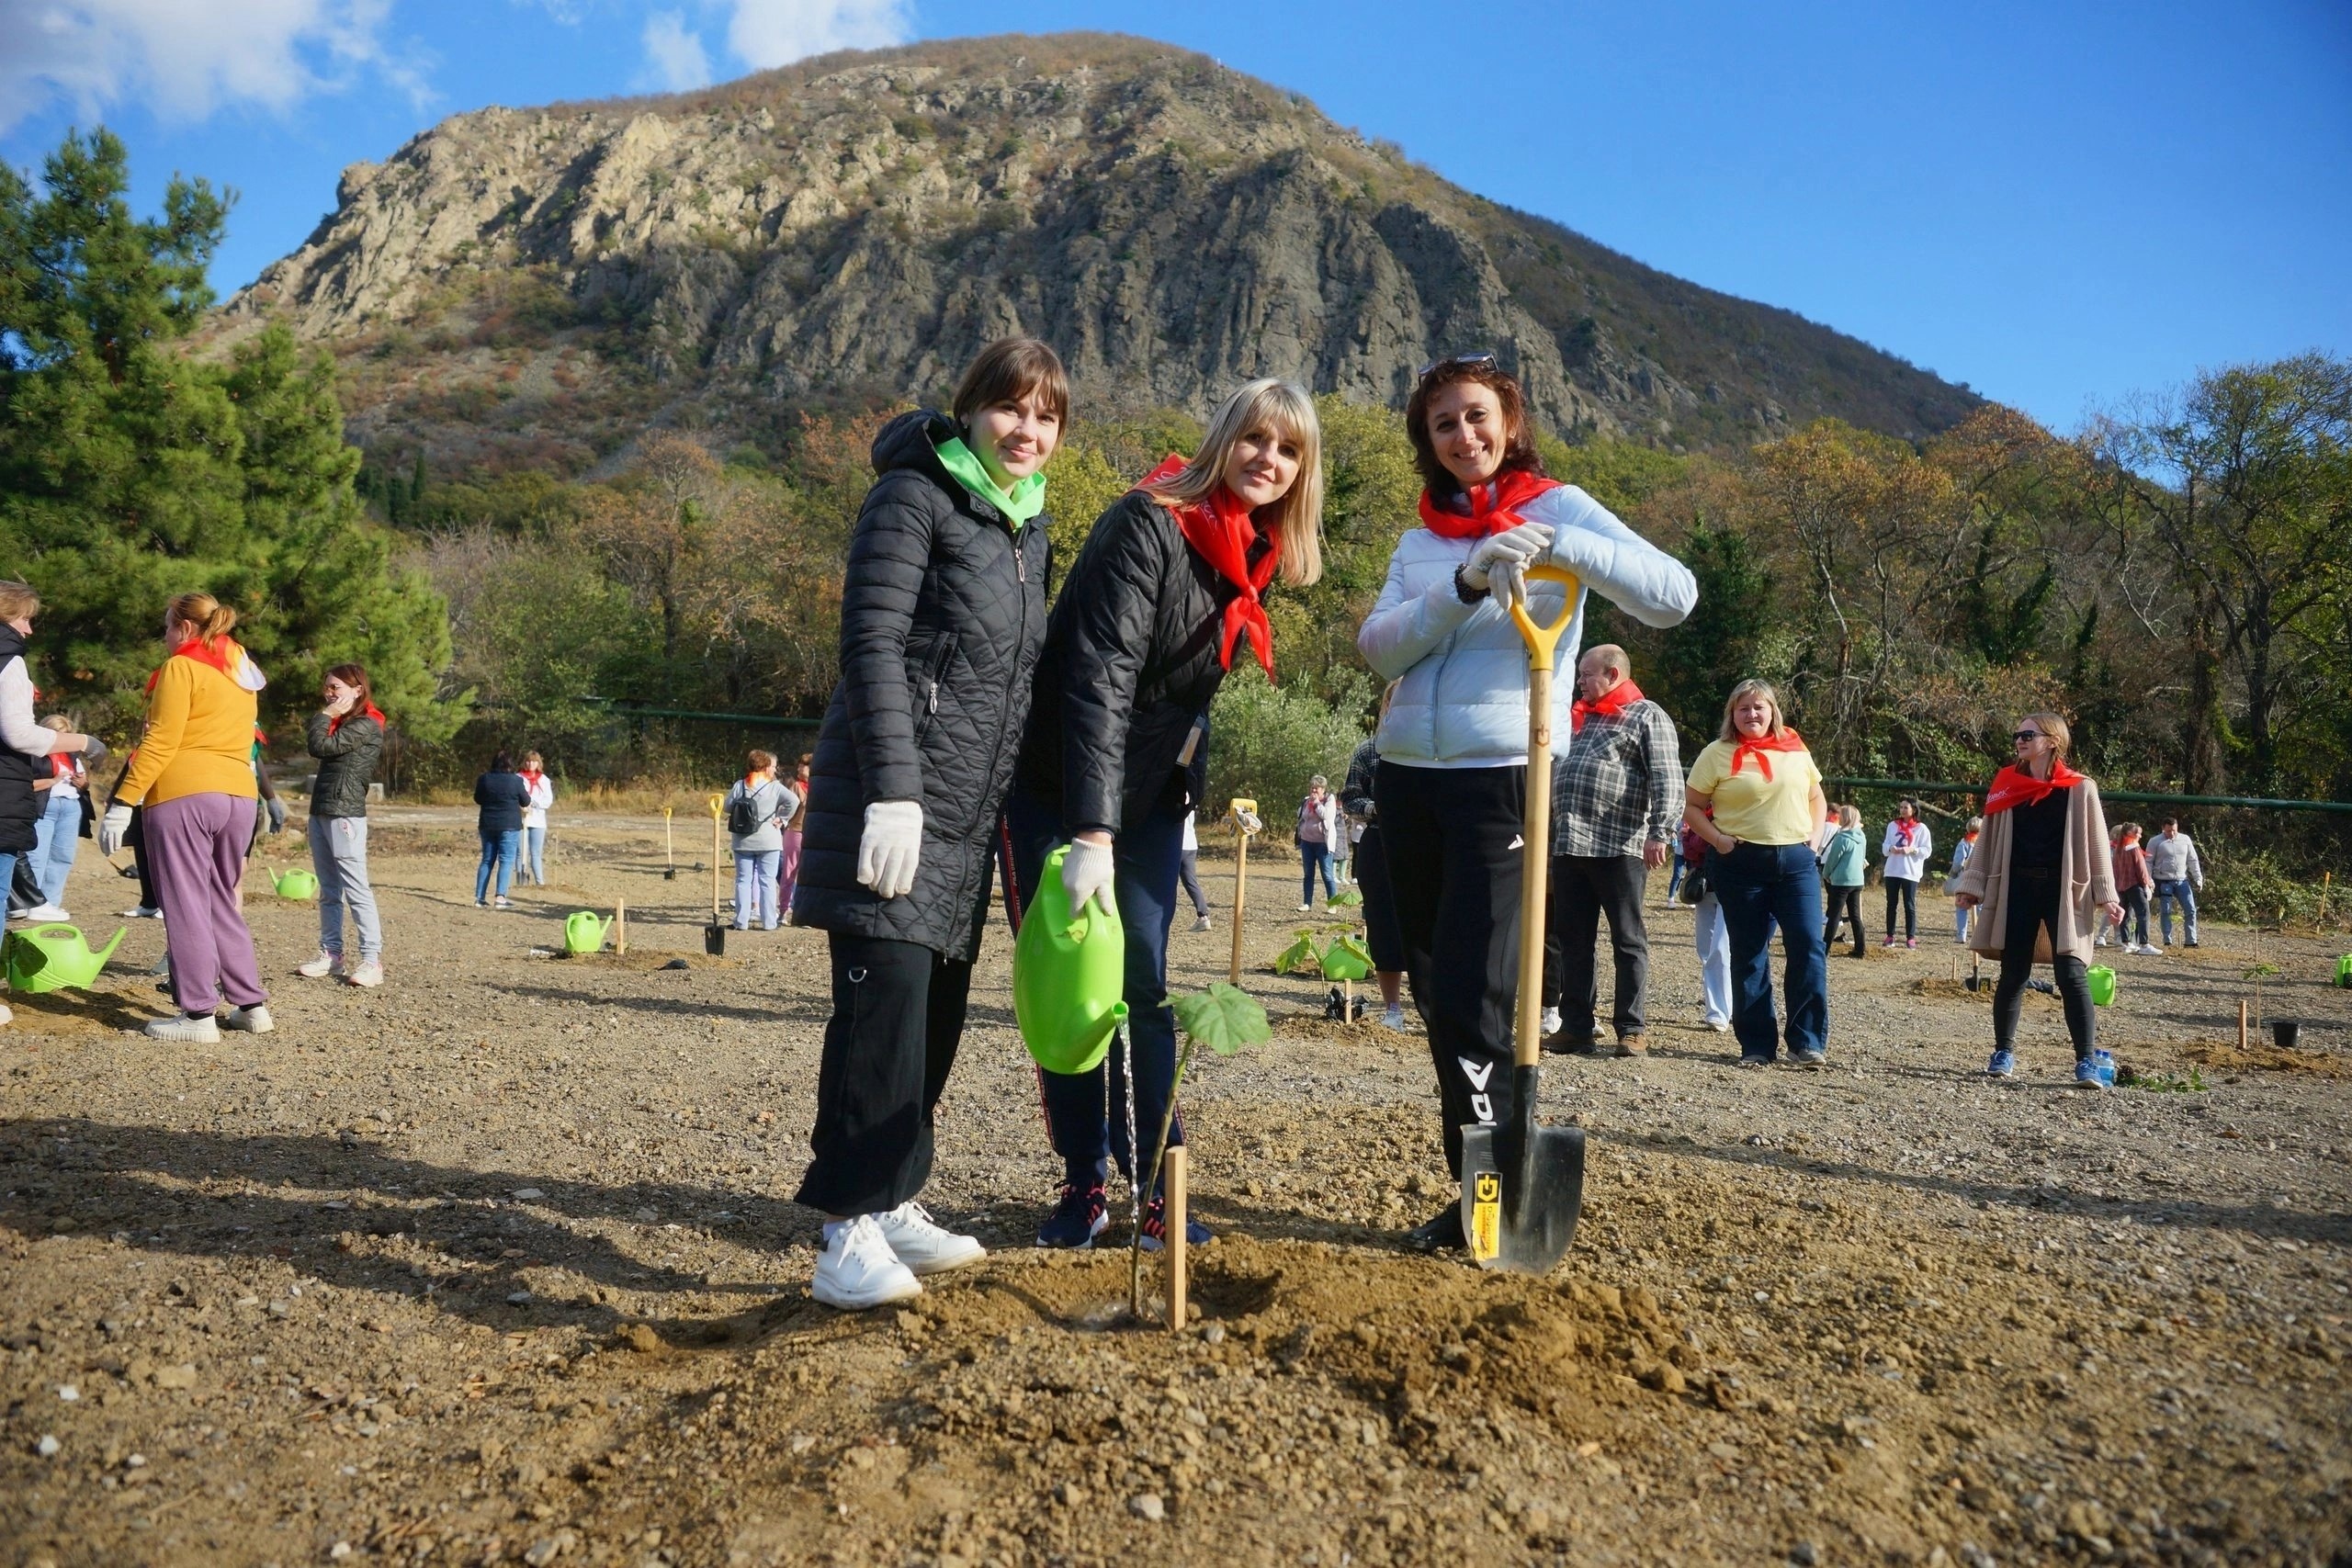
column 857, row 225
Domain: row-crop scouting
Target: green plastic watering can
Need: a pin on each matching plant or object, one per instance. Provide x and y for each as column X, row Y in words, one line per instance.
column 1068, row 974
column 299, row 885
column 585, row 933
column 52, row 957
column 2102, row 979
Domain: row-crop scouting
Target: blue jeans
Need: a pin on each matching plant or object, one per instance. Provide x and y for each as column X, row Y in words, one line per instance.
column 535, row 851
column 1086, row 1113
column 755, row 873
column 56, row 841
column 1314, row 857
column 1960, row 923
column 1761, row 885
column 1714, row 958
column 1674, row 878
column 500, row 849
column 2166, row 894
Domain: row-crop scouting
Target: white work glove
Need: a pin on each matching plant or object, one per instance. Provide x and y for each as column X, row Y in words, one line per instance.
column 111, row 827
column 1513, row 546
column 892, row 845
column 1086, row 873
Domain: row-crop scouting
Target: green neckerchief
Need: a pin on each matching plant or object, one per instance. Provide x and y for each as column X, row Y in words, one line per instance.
column 1022, row 502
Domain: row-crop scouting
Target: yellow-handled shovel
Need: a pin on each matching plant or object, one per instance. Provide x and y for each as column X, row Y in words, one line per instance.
column 1522, row 1185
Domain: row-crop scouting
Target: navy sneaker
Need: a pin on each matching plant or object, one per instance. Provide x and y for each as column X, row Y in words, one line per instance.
column 1079, row 1215
column 2086, row 1075
column 1155, row 1229
column 2003, row 1064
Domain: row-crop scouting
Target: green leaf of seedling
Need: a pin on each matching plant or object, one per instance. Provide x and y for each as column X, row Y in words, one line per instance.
column 1346, row 898
column 1223, row 1018
column 1297, row 955
column 1345, row 959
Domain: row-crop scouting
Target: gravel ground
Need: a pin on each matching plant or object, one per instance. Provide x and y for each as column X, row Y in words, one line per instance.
column 497, row 1263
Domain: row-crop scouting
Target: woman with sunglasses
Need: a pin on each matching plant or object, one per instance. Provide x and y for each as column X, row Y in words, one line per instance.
column 2040, row 877
column 1451, row 788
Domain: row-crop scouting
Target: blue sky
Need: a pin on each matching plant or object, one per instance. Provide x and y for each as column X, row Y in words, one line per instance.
column 2058, row 204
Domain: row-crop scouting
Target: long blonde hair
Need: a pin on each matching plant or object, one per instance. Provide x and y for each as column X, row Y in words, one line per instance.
column 1264, row 404
column 206, row 619
column 1753, row 687
column 2061, row 740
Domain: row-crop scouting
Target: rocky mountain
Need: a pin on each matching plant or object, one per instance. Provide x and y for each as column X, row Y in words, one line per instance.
column 536, row 284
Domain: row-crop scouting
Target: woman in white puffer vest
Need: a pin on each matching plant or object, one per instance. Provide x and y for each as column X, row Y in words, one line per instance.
column 1451, row 786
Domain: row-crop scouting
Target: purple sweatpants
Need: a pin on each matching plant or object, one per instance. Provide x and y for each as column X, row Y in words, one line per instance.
column 196, row 847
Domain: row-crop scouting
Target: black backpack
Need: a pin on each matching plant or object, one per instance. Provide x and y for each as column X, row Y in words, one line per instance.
column 742, row 816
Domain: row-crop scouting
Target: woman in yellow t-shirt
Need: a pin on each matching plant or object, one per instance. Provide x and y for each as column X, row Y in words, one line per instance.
column 1754, row 794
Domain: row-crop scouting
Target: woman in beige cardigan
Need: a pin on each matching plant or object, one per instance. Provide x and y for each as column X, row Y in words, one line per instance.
column 2038, row 879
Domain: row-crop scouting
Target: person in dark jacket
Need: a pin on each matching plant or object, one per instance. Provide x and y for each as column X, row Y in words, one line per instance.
column 943, row 614
column 1166, row 586
column 1382, row 938
column 503, row 796
column 346, row 735
column 26, row 747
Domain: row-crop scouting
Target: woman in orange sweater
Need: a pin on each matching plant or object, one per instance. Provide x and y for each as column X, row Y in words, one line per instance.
column 193, row 774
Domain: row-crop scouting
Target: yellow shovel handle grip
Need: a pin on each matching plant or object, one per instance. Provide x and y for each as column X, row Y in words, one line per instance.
column 1543, row 639
column 718, row 806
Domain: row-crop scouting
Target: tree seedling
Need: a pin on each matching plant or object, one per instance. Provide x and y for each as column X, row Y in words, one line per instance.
column 1224, row 1019
column 2257, row 973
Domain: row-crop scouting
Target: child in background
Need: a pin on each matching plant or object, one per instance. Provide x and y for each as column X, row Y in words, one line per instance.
column 1961, row 854
column 1844, row 865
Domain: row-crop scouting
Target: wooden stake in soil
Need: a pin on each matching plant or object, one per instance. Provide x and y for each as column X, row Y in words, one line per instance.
column 1242, row 809
column 1174, row 1214
column 620, row 928
column 2241, row 1023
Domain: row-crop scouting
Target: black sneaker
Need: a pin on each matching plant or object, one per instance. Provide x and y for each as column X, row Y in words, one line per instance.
column 1441, row 1232
column 1079, row 1215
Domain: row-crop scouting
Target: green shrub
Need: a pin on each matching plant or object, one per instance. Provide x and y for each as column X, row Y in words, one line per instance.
column 2251, row 889
column 1267, row 742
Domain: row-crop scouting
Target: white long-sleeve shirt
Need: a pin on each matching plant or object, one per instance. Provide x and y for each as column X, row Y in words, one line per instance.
column 17, row 730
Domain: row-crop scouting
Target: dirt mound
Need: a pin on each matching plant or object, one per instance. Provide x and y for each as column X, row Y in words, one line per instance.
column 2225, row 1056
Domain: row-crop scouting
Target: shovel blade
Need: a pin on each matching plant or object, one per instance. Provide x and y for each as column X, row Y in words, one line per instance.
column 670, row 874
column 1519, row 1205
column 714, row 941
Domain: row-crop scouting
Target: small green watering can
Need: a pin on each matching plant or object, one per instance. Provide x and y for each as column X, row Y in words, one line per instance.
column 52, row 957
column 585, row 933
column 2343, row 971
column 2102, row 979
column 1069, row 976
column 298, row 885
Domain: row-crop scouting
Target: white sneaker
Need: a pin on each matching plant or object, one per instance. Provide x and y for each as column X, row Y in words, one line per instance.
column 923, row 1246
column 40, row 912
column 5, row 1016
column 2149, row 950
column 1394, row 1017
column 1720, row 1025
column 253, row 1020
column 1200, row 923
column 142, row 912
column 369, row 973
column 204, row 1031
column 1304, row 907
column 1551, row 1021
column 326, row 965
column 858, row 1270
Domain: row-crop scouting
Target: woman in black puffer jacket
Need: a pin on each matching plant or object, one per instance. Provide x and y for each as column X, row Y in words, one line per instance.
column 1165, row 588
column 942, row 613
column 346, row 735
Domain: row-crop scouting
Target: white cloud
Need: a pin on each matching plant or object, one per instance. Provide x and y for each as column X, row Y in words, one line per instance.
column 674, row 60
column 764, row 33
column 186, row 57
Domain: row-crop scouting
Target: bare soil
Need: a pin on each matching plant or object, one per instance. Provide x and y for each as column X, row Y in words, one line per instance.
column 498, row 1263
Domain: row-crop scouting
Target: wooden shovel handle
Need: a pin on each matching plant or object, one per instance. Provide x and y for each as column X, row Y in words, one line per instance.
column 1536, row 826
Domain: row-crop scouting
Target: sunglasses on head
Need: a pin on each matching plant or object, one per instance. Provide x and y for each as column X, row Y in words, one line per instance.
column 1484, row 357
column 2026, row 735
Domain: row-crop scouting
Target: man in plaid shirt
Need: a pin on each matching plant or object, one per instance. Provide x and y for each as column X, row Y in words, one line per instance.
column 1617, row 798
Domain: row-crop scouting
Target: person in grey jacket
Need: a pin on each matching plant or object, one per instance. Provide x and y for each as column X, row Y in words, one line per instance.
column 2179, row 875
column 1451, row 786
column 759, row 801
column 346, row 735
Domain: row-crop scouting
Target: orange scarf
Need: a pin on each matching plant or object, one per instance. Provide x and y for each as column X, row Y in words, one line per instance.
column 221, row 656
column 1221, row 531
column 1788, row 740
column 372, row 711
column 2013, row 786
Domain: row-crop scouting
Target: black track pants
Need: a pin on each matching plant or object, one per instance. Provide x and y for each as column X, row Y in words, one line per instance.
column 898, row 1018
column 1451, row 841
column 2032, row 904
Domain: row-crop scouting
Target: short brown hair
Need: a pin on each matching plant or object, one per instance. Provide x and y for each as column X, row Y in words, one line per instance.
column 1518, row 447
column 760, row 760
column 1753, row 687
column 355, row 677
column 17, row 600
column 1011, row 369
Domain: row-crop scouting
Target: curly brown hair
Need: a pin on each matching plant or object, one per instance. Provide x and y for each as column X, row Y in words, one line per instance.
column 1519, row 444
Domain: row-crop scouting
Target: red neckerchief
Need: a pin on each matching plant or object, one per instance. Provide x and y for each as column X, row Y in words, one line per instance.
column 1610, row 703
column 1903, row 832
column 1221, row 531
column 2013, row 787
column 1490, row 509
column 221, row 657
column 1789, row 740
column 61, row 765
column 371, row 710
